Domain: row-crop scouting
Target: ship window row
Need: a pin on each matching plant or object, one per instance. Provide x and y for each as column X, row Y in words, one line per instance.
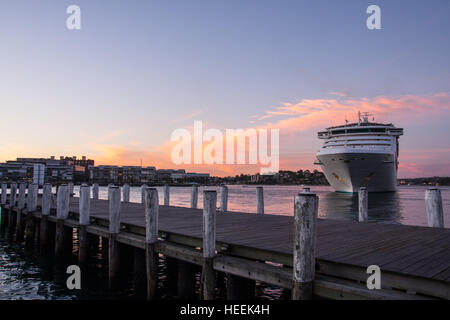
column 359, row 130
column 343, row 140
column 357, row 145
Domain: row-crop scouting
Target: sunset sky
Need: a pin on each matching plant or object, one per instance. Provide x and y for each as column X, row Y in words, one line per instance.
column 138, row 70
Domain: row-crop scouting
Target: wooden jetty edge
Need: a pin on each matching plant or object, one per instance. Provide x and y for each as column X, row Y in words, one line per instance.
column 312, row 257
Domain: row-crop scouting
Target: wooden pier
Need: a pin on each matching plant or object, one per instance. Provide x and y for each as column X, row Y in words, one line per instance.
column 242, row 247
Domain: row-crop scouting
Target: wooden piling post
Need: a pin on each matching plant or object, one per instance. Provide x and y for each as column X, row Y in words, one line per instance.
column 20, row 221
column 83, row 238
column 151, row 204
column 30, row 226
column 223, row 198
column 209, row 244
column 433, row 204
column 95, row 191
column 305, row 215
column 12, row 194
column 63, row 238
column 70, row 189
column 4, row 192
column 126, row 193
column 260, row 200
column 166, row 195
column 194, row 196
column 114, row 229
column 363, row 204
column 143, row 187
column 44, row 228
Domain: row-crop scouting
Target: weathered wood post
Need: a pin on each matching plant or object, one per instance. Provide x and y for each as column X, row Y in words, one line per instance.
column 63, row 238
column 4, row 192
column 223, row 198
column 11, row 223
column 166, row 195
column 143, row 187
column 20, row 221
column 70, row 189
column 209, row 244
column 114, row 229
column 126, row 193
column 44, row 227
column 95, row 191
column 12, row 194
column 305, row 213
column 151, row 203
column 194, row 196
column 363, row 204
column 260, row 200
column 83, row 238
column 5, row 213
column 30, row 226
column 433, row 204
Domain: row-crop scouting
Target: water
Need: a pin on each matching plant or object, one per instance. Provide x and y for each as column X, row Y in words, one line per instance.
column 24, row 276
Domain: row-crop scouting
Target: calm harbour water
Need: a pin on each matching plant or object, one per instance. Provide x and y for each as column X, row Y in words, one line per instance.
column 24, row 276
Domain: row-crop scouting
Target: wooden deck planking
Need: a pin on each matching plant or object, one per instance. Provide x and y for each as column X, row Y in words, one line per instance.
column 411, row 250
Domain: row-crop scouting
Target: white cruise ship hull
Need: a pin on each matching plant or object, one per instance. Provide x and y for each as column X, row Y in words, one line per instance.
column 347, row 172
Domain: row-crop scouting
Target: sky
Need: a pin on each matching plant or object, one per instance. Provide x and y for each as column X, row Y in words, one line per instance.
column 136, row 71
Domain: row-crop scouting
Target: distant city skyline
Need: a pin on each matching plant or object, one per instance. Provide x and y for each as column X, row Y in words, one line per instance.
column 116, row 89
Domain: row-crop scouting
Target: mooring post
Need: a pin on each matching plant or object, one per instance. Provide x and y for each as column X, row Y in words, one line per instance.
column 63, row 239
column 114, row 229
column 11, row 218
column 83, row 238
column 70, row 189
column 95, row 191
column 260, row 200
column 363, row 204
column 194, row 196
column 126, row 193
column 143, row 187
column 305, row 213
column 30, row 226
column 433, row 204
column 223, row 198
column 20, row 222
column 4, row 192
column 166, row 195
column 151, row 203
column 45, row 212
column 12, row 194
column 209, row 244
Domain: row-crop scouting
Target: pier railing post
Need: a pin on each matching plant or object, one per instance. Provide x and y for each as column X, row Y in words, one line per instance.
column 194, row 196
column 85, row 212
column 363, row 204
column 63, row 239
column 114, row 229
column 209, row 244
column 143, row 187
column 20, row 221
column 45, row 212
column 12, row 194
column 126, row 193
column 151, row 204
column 260, row 200
column 223, row 198
column 11, row 223
column 4, row 192
column 30, row 225
column 70, row 189
column 166, row 195
column 95, row 191
column 305, row 213
column 433, row 204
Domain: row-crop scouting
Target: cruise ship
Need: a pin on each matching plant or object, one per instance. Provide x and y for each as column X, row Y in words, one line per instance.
column 360, row 154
